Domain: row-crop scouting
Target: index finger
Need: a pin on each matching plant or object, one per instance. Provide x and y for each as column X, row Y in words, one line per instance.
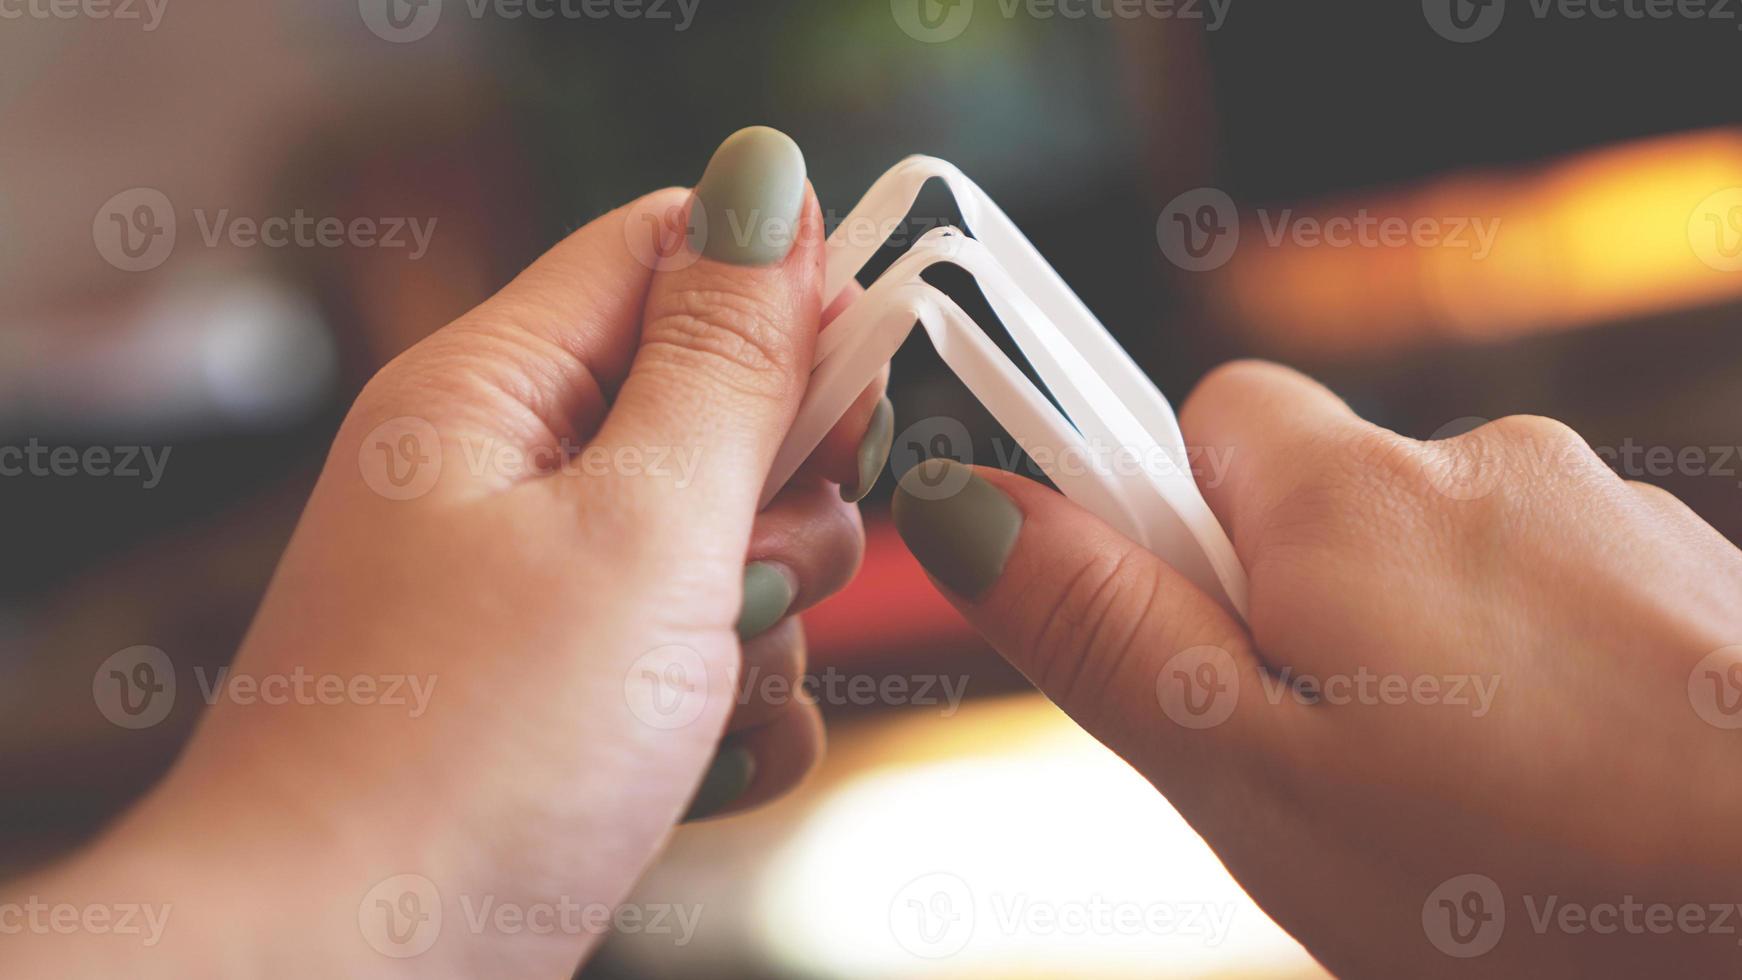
column 1263, row 427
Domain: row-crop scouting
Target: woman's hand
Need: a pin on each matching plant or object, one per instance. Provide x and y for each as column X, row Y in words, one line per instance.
column 519, row 604
column 1484, row 720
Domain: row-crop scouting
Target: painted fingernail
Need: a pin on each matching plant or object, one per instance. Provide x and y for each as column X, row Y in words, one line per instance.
column 768, row 593
column 749, row 199
column 873, row 451
column 728, row 776
column 960, row 527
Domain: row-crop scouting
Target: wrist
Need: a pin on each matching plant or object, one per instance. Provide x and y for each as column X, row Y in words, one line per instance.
column 244, row 884
column 114, row 909
column 175, row 892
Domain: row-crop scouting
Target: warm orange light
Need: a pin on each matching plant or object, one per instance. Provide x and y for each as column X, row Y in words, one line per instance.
column 1645, row 228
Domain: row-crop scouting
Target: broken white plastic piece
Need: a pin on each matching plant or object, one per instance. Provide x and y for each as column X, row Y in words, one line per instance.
column 1116, row 450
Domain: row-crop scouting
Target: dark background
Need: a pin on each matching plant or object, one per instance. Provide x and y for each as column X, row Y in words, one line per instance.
column 512, row 133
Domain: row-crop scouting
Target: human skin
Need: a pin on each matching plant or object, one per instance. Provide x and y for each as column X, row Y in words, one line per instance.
column 1508, row 555
column 1597, row 773
column 545, row 595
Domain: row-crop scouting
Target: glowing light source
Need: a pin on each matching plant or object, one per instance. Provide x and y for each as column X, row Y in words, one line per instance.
column 1626, row 231
column 1031, row 850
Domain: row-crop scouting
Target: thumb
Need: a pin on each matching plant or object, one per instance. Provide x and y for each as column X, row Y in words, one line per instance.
column 1124, row 644
column 727, row 338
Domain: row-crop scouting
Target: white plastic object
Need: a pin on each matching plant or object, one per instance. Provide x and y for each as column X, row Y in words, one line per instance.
column 1116, row 450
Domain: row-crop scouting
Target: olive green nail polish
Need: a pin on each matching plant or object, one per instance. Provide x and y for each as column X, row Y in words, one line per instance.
column 767, row 595
column 750, row 198
column 873, row 450
column 728, row 776
column 960, row 527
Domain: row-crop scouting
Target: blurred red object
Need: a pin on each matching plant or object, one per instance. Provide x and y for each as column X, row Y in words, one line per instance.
column 890, row 612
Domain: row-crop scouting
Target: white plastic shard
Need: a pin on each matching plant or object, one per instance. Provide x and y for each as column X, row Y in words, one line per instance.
column 1116, row 450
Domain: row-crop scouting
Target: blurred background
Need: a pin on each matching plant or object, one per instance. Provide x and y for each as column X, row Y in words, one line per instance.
column 1448, row 212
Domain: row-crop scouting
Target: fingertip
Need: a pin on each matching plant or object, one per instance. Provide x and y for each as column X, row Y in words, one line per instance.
column 872, row 452
column 855, row 451
column 753, row 200
column 772, row 675
column 959, row 526
column 729, row 775
column 810, row 530
column 757, row 766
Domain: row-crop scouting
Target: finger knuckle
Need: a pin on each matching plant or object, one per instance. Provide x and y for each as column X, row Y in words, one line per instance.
column 839, row 548
column 1488, row 477
column 1371, row 453
column 1348, row 486
column 460, row 372
column 1542, row 452
column 1655, row 495
column 771, row 674
column 850, row 538
column 1532, row 433
column 1085, row 632
column 728, row 335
